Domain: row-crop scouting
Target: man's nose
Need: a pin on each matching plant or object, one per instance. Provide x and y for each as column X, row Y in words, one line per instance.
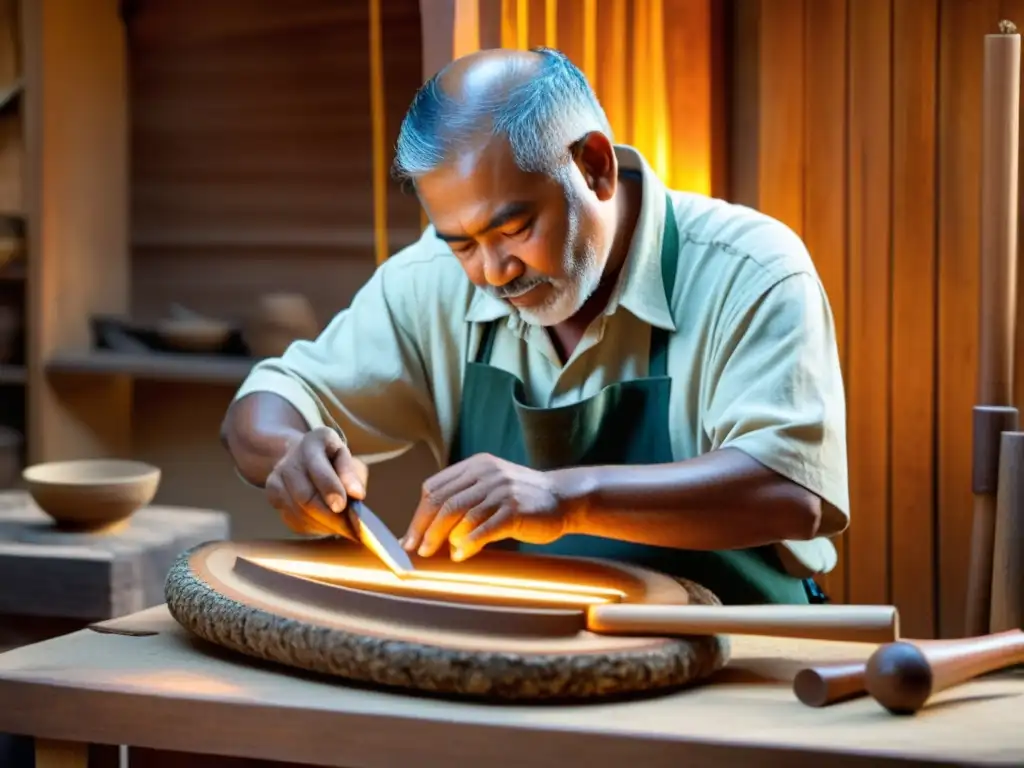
column 500, row 268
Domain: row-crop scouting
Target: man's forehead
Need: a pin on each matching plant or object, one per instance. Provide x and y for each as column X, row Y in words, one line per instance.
column 482, row 158
column 479, row 180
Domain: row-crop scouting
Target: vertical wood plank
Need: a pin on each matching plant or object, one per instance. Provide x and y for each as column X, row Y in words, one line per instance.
column 1013, row 10
column 611, row 67
column 868, row 357
column 76, row 206
column 61, row 754
column 437, row 22
column 509, row 23
column 688, row 59
column 489, row 13
column 379, row 130
column 915, row 72
column 466, row 32
column 589, row 25
column 744, row 106
column 570, row 31
column 825, row 207
column 781, row 111
column 962, row 27
column 11, row 145
column 537, row 22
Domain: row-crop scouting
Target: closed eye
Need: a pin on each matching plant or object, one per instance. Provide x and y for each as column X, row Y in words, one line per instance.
column 519, row 230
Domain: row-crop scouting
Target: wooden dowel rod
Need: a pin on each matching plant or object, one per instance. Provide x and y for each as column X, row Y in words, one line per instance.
column 989, row 424
column 846, row 623
column 1007, row 608
column 998, row 283
column 999, row 171
column 829, row 684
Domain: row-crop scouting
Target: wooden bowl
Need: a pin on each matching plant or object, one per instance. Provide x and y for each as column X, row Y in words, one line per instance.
column 277, row 321
column 91, row 493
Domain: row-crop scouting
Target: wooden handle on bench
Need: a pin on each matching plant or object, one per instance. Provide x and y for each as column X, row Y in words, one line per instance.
column 830, row 683
column 903, row 676
column 850, row 623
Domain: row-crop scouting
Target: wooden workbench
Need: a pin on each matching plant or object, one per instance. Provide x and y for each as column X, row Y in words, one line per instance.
column 53, row 581
column 168, row 691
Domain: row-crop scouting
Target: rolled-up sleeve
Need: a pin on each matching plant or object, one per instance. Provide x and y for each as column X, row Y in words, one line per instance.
column 775, row 389
column 364, row 375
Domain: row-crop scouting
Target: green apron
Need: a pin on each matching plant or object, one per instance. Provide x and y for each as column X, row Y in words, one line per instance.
column 625, row 423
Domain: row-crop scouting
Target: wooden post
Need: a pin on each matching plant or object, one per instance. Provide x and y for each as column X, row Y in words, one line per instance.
column 998, row 301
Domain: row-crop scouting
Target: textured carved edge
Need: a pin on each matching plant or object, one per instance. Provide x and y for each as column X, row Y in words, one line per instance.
column 205, row 612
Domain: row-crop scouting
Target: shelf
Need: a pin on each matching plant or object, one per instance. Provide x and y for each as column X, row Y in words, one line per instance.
column 337, row 239
column 12, row 374
column 153, row 366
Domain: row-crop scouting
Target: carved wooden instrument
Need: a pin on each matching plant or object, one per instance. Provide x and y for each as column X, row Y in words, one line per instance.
column 903, row 675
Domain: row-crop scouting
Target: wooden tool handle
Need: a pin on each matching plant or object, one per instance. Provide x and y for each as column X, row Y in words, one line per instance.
column 852, row 623
column 830, row 683
column 989, row 424
column 902, row 676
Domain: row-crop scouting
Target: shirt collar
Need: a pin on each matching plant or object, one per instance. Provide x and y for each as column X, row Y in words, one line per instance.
column 640, row 289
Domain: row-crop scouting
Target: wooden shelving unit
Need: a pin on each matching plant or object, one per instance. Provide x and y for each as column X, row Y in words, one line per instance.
column 162, row 153
column 64, row 180
column 152, row 366
column 13, row 373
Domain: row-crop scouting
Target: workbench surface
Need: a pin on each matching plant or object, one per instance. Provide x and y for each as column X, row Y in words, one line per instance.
column 169, row 691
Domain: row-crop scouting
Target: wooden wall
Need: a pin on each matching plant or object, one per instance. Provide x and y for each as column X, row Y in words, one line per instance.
column 857, row 122
column 251, row 149
column 251, row 171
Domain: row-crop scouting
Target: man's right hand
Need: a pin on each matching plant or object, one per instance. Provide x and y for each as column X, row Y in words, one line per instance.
column 312, row 484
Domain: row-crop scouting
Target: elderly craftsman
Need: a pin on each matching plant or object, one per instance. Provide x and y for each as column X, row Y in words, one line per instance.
column 602, row 367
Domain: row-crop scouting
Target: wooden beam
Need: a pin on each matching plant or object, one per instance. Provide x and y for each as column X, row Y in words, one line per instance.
column 76, row 205
column 379, row 128
column 914, row 269
column 825, row 202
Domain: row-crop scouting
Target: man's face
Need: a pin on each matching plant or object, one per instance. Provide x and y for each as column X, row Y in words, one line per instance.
column 537, row 242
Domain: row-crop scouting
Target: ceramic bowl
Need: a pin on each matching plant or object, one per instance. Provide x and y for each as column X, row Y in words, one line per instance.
column 277, row 320
column 91, row 493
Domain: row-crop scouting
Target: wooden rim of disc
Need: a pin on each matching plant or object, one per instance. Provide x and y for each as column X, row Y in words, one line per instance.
column 238, row 595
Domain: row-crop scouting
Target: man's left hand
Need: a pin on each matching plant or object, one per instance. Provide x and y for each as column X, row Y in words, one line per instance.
column 484, row 499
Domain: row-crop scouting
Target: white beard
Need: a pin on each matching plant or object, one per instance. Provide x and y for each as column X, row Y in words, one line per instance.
column 568, row 295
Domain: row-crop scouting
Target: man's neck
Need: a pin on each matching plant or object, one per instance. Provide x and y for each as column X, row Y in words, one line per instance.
column 565, row 336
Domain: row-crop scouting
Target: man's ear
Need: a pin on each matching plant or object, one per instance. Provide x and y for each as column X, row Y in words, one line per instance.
column 594, row 155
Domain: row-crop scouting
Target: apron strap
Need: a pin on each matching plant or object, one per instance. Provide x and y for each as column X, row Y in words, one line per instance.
column 483, row 352
column 658, row 365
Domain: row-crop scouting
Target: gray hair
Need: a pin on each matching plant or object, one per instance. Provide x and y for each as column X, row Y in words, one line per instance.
column 540, row 117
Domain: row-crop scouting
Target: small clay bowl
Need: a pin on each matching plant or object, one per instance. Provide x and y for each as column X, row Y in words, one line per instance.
column 91, row 493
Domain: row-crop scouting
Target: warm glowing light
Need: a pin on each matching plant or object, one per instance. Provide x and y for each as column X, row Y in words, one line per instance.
column 449, row 584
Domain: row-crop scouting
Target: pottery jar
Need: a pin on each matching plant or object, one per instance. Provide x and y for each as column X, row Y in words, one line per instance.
column 278, row 320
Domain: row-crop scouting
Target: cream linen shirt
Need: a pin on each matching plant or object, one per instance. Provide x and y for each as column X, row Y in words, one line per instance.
column 752, row 352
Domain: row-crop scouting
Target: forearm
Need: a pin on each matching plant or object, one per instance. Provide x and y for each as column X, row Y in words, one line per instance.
column 257, row 431
column 721, row 500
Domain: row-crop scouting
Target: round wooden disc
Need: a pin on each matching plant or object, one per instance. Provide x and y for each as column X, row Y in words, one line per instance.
column 213, row 599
